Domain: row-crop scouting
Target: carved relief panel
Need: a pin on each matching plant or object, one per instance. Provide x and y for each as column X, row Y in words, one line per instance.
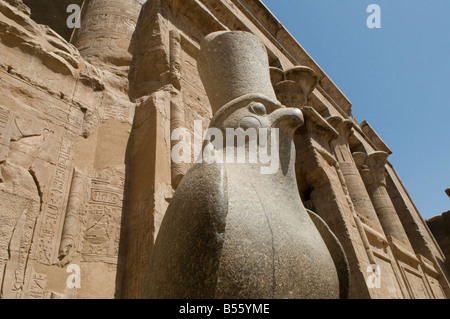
column 102, row 218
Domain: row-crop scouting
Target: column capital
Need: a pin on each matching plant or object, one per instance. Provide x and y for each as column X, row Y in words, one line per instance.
column 294, row 86
column 342, row 126
column 312, row 140
column 317, row 126
column 372, row 167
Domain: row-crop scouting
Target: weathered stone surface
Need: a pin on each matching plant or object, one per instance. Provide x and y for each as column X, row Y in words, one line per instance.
column 86, row 174
column 52, row 13
column 108, row 27
column 237, row 73
column 372, row 169
column 58, row 209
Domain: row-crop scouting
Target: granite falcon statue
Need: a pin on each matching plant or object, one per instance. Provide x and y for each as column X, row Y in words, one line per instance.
column 231, row 231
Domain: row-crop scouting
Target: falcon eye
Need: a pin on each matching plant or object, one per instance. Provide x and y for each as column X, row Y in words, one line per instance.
column 249, row 122
column 258, row 108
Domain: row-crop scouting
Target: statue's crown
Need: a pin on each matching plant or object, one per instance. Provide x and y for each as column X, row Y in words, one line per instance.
column 234, row 64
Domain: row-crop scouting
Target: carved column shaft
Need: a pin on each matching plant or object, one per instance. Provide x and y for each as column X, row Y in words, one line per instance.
column 106, row 29
column 358, row 193
column 71, row 226
column 386, row 212
column 177, row 115
column 355, row 185
column 372, row 169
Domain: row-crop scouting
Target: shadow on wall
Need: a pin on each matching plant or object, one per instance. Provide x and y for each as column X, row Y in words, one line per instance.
column 52, row 13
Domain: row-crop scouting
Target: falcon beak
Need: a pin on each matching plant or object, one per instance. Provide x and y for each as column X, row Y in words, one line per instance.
column 288, row 118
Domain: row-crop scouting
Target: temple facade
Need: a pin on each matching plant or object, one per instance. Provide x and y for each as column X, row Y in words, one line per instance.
column 86, row 173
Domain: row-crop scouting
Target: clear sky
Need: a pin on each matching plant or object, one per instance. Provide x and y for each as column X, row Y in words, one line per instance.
column 397, row 78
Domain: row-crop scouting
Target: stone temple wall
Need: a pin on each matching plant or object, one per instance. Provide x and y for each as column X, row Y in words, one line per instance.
column 85, row 150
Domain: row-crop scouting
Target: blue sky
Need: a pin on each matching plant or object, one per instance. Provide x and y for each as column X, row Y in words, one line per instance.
column 397, row 78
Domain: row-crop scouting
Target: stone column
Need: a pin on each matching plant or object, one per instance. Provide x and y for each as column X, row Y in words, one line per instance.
column 316, row 166
column 149, row 161
column 373, row 173
column 71, row 226
column 355, row 185
column 106, row 30
column 177, row 114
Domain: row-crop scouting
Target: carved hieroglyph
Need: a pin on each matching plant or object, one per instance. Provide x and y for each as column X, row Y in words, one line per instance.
column 102, row 218
column 64, row 125
column 85, row 181
column 108, row 26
